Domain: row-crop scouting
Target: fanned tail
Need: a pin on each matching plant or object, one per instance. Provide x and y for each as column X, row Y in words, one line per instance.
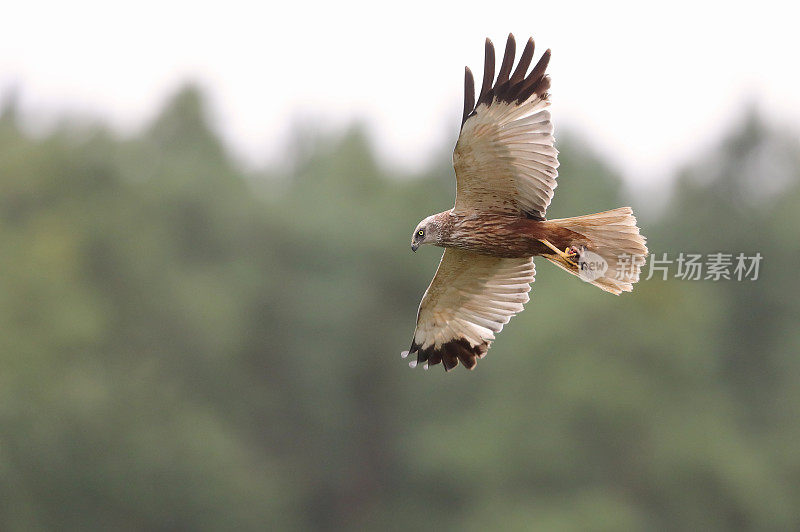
column 611, row 251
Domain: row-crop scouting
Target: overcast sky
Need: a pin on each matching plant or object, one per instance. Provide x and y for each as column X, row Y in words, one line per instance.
column 649, row 87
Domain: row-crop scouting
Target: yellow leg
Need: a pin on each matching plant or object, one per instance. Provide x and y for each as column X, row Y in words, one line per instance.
column 555, row 249
column 567, row 256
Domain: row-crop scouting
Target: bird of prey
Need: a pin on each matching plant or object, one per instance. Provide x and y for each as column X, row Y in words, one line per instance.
column 506, row 169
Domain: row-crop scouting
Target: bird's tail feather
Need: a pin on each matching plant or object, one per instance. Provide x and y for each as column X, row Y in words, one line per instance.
column 611, row 250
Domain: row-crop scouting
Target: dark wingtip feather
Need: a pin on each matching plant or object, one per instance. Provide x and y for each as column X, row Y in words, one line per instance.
column 508, row 60
column 518, row 87
column 449, row 359
column 450, row 354
column 469, row 94
column 536, row 82
column 466, row 355
column 488, row 72
column 541, row 65
column 524, row 63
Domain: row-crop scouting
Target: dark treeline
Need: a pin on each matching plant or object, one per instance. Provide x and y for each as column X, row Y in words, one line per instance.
column 189, row 346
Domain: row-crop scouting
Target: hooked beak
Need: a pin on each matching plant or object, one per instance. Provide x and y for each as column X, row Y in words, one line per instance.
column 414, row 247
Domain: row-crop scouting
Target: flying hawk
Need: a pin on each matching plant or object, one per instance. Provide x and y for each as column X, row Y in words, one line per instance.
column 505, row 165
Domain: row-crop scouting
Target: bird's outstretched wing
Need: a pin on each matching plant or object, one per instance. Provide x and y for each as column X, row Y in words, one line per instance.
column 504, row 159
column 470, row 298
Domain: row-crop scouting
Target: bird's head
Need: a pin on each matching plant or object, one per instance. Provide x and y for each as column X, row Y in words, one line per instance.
column 426, row 232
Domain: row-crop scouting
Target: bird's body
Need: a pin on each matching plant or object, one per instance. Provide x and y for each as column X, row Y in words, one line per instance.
column 501, row 235
column 506, row 169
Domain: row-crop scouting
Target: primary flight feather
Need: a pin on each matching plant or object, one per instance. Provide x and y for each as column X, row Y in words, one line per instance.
column 506, row 168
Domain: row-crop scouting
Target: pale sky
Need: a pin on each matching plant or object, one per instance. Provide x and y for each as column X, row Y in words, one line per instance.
column 649, row 87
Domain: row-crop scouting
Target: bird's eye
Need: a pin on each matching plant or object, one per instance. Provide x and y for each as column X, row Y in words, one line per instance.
column 420, row 232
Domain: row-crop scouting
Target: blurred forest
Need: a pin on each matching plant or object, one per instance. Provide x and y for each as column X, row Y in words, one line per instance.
column 188, row 345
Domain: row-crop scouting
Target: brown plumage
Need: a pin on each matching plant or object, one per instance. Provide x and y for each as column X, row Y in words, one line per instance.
column 502, row 236
column 506, row 169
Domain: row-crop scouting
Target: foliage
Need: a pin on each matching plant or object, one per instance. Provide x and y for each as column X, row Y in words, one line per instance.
column 187, row 345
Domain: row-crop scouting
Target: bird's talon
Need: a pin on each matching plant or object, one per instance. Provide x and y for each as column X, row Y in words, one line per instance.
column 572, row 253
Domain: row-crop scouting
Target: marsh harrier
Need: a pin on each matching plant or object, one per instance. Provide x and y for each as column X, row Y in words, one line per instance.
column 506, row 169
